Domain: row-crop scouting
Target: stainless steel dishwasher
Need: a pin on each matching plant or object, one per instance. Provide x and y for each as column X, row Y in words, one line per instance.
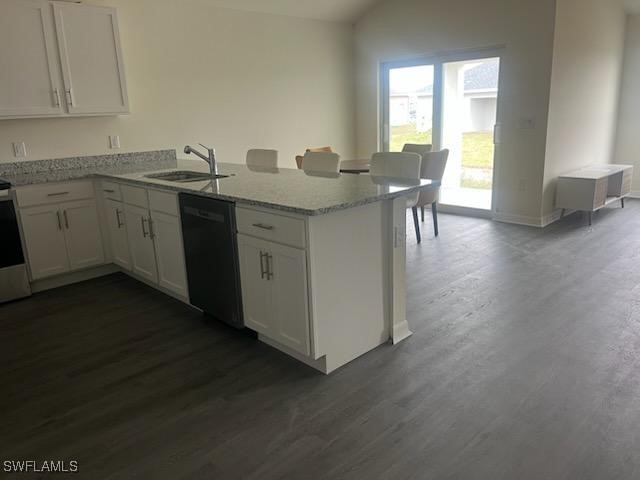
column 211, row 255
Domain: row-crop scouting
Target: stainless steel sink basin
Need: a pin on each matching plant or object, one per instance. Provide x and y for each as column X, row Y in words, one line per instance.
column 183, row 176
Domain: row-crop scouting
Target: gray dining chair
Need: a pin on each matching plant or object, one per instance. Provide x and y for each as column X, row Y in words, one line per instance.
column 400, row 165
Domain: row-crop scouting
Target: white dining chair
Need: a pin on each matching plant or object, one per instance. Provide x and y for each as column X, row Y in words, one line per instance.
column 403, row 165
column 258, row 157
column 321, row 162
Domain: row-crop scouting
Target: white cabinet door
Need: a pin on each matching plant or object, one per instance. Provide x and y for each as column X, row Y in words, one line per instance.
column 274, row 291
column 117, row 229
column 256, row 289
column 91, row 58
column 82, row 234
column 167, row 237
column 28, row 60
column 143, row 257
column 44, row 239
column 287, row 272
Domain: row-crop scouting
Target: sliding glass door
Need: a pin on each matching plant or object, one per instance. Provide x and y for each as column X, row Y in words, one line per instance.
column 450, row 103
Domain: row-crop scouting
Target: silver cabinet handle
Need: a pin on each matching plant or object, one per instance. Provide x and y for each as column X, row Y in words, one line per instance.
column 108, row 190
column 56, row 97
column 262, row 269
column 66, row 219
column 263, row 226
column 152, row 233
column 269, row 266
column 59, row 220
column 57, row 194
column 118, row 212
column 144, row 230
column 69, row 97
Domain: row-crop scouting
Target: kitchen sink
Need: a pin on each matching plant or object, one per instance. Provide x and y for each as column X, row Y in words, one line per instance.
column 184, row 176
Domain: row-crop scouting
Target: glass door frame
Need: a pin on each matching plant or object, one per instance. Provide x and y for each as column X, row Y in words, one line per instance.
column 437, row 61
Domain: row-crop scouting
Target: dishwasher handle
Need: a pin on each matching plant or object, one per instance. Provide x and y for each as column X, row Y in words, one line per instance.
column 204, row 214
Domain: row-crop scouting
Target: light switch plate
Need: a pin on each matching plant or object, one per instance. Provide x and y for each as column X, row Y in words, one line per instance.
column 19, row 149
column 114, row 141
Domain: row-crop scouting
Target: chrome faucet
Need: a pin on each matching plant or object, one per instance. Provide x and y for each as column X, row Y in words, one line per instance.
column 211, row 159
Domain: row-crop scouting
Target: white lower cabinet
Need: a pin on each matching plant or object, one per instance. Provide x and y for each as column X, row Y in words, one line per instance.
column 62, row 237
column 141, row 248
column 166, row 233
column 44, row 239
column 82, row 234
column 117, row 230
column 274, row 291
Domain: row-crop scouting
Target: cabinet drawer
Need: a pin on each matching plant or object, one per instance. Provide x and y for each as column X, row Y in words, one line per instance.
column 48, row 193
column 111, row 190
column 135, row 196
column 272, row 227
column 164, row 202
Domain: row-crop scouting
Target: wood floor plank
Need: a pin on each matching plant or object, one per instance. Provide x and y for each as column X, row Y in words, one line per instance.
column 524, row 364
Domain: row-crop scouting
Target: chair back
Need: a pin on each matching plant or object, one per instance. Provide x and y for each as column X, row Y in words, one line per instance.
column 433, row 166
column 321, row 162
column 258, row 157
column 397, row 165
column 318, row 149
column 419, row 148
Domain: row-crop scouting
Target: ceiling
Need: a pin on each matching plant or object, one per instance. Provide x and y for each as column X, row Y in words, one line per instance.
column 333, row 10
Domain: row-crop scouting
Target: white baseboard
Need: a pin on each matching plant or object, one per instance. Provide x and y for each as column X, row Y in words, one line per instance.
column 634, row 194
column 519, row 220
column 464, row 211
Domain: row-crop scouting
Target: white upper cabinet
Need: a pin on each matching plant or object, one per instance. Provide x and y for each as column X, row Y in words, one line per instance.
column 84, row 75
column 91, row 59
column 29, row 67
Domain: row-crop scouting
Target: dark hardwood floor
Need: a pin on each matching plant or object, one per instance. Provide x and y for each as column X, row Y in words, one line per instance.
column 525, row 364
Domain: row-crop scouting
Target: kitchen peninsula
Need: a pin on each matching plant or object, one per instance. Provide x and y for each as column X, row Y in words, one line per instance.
column 325, row 293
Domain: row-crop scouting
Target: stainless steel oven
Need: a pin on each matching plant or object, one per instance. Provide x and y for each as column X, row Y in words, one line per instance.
column 14, row 281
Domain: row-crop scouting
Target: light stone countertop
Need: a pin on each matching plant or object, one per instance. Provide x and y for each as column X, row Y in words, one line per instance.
column 287, row 189
column 283, row 189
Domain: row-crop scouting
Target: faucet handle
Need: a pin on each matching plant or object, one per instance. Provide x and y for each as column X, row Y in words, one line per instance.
column 204, row 146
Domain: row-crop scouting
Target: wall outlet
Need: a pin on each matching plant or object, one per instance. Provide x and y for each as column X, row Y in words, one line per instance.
column 19, row 149
column 114, row 141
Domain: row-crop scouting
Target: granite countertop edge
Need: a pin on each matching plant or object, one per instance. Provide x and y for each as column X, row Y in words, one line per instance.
column 119, row 175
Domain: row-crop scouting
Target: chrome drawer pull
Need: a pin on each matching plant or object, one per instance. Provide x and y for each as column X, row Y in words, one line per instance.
column 263, row 271
column 57, row 194
column 118, row 212
column 263, row 226
column 107, row 190
column 269, row 266
column 66, row 219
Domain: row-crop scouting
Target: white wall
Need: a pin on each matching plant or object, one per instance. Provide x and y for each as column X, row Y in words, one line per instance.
column 232, row 79
column 398, row 29
column 628, row 138
column 585, row 81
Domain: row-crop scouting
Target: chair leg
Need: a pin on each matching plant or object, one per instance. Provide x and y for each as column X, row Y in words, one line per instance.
column 434, row 211
column 416, row 223
column 422, row 211
column 622, row 202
